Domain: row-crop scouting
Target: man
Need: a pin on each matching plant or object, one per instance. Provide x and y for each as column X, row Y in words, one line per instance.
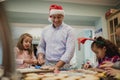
column 57, row 43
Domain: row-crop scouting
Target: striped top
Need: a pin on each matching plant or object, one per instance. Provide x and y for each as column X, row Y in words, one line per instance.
column 57, row 43
column 113, row 59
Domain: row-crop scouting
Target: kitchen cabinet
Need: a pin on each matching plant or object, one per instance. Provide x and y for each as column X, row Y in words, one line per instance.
column 112, row 21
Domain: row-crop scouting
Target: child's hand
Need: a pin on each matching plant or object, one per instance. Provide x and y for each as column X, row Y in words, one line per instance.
column 113, row 72
column 106, row 64
column 34, row 61
column 26, row 61
column 86, row 66
column 30, row 61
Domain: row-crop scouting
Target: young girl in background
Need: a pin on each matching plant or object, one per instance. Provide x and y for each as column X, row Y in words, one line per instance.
column 118, row 30
column 105, row 51
column 24, row 53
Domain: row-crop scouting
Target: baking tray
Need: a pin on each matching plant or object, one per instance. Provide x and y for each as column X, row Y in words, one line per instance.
column 33, row 70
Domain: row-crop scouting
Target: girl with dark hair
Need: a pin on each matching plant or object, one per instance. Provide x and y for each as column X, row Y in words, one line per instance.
column 24, row 52
column 113, row 69
column 105, row 51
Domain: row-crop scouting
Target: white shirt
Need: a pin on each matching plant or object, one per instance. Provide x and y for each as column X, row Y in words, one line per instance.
column 57, row 43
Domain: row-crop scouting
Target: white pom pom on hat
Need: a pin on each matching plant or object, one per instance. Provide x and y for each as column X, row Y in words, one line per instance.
column 55, row 9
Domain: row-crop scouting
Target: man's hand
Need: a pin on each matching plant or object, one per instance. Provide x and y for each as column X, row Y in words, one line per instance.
column 56, row 69
column 58, row 65
column 41, row 60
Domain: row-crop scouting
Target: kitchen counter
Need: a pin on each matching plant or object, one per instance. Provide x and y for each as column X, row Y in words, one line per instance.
column 38, row 74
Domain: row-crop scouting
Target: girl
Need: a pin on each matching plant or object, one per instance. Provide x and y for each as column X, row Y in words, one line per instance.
column 105, row 51
column 113, row 69
column 24, row 53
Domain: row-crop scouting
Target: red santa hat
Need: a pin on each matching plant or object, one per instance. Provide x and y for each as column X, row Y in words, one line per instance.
column 55, row 9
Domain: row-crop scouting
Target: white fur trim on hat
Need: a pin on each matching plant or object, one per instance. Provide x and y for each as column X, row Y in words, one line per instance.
column 54, row 11
column 49, row 19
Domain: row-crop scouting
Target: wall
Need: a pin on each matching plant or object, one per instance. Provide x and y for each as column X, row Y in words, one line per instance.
column 82, row 13
column 85, row 49
column 33, row 29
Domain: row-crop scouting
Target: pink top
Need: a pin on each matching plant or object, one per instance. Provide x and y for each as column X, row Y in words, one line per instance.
column 21, row 56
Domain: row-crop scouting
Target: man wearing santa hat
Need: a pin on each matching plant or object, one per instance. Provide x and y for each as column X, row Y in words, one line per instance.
column 57, row 43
